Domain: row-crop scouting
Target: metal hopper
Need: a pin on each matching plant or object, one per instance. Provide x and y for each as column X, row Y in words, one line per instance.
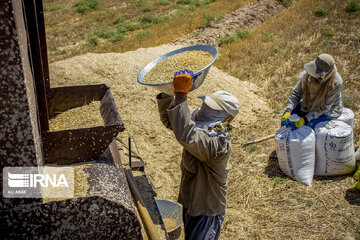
column 82, row 144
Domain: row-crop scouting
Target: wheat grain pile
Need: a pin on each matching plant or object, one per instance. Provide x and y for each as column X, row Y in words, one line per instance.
column 80, row 117
column 163, row 72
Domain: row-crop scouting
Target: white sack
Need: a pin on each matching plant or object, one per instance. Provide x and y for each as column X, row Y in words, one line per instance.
column 295, row 149
column 347, row 116
column 334, row 148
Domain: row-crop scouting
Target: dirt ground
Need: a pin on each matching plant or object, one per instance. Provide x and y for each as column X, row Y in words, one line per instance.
column 245, row 17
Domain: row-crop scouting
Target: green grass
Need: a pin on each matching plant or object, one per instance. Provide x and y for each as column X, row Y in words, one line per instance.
column 102, row 16
column 321, row 12
column 163, row 2
column 128, row 26
column 118, row 36
column 141, row 3
column 51, row 8
column 105, row 33
column 119, row 20
column 147, row 18
column 206, row 2
column 227, row 39
column 353, row 6
column 83, row 6
column 94, row 40
column 252, row 148
column 142, row 34
column 194, row 3
column 218, row 19
column 184, row 2
column 124, row 26
column 328, row 31
column 147, row 9
column 208, row 18
column 111, row 34
column 286, row 3
column 240, row 34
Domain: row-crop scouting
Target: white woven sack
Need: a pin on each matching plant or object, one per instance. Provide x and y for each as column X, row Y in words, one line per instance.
column 347, row 116
column 295, row 149
column 334, row 148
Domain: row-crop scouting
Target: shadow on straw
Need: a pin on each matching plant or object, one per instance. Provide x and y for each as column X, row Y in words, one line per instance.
column 353, row 196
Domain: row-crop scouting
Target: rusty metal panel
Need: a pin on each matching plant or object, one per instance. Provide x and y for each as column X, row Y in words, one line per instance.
column 42, row 38
column 20, row 143
column 32, row 20
column 78, row 145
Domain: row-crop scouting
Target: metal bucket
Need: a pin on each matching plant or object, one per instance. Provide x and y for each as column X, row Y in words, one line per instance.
column 173, row 211
column 168, row 87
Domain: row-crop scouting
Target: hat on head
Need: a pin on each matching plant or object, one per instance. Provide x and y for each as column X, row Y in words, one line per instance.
column 322, row 65
column 222, row 100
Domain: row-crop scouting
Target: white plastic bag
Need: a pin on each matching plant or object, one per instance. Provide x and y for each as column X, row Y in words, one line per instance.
column 334, row 148
column 295, row 149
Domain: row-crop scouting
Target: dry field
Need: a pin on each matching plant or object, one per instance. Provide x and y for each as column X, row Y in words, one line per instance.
column 119, row 26
column 260, row 69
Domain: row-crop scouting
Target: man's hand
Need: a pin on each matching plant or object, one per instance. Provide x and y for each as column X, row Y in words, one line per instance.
column 183, row 81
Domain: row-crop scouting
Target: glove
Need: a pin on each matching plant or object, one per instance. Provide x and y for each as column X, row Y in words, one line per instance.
column 184, row 80
column 300, row 122
column 356, row 177
column 285, row 116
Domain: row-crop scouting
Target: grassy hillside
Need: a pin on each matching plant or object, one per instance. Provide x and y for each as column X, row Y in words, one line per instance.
column 262, row 202
column 74, row 27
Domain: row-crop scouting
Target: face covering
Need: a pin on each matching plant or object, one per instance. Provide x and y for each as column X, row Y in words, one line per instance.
column 207, row 118
column 207, row 114
column 326, row 76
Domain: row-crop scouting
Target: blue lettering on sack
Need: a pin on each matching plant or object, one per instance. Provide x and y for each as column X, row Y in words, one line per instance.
column 327, row 158
column 345, row 148
column 289, row 156
column 332, row 145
